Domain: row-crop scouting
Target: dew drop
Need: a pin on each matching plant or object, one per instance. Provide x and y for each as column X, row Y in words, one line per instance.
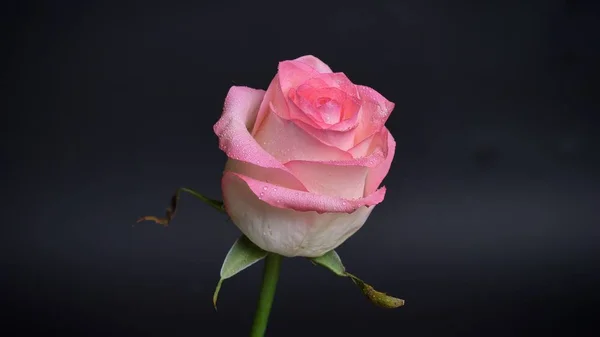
column 261, row 195
column 264, row 188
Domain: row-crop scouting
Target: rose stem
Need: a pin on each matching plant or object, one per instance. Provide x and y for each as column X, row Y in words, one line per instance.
column 267, row 293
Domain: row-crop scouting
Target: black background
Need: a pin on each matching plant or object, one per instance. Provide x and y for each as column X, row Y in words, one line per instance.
column 490, row 223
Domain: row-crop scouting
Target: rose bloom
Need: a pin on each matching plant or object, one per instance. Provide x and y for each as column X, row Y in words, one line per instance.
column 305, row 158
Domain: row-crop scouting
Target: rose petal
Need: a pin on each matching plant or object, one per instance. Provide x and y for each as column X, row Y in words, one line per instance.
column 376, row 152
column 301, row 108
column 336, row 87
column 378, row 173
column 378, row 141
column 297, row 111
column 348, row 178
column 344, row 140
column 286, row 141
column 315, row 63
column 292, row 74
column 239, row 113
column 286, row 231
column 342, row 82
column 275, row 102
column 273, row 97
column 282, row 197
column 333, row 180
column 327, row 88
column 269, row 175
column 375, row 111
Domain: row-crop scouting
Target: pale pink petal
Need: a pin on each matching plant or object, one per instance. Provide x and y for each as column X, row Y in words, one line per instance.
column 348, row 124
column 239, row 113
column 343, row 140
column 342, row 82
column 296, row 80
column 327, row 105
column 286, row 231
column 378, row 173
column 276, row 102
column 341, row 135
column 325, row 111
column 286, row 141
column 352, row 178
column 273, row 98
column 374, row 111
column 315, row 63
column 270, row 175
column 335, row 87
column 376, row 152
column 332, row 180
column 362, row 149
column 301, row 108
column 303, row 201
column 375, row 142
column 292, row 74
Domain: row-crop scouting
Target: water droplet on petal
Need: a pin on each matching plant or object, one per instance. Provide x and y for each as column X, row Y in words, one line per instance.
column 264, row 188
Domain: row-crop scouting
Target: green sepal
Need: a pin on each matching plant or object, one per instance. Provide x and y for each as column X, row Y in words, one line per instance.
column 241, row 255
column 170, row 213
column 332, row 261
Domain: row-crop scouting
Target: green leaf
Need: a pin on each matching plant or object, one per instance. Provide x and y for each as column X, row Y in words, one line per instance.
column 242, row 255
column 332, row 261
column 170, row 213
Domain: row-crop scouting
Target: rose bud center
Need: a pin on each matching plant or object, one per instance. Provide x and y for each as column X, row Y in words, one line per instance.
column 329, row 109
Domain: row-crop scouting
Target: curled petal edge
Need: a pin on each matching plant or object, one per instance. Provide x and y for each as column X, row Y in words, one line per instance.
column 379, row 155
column 315, row 63
column 303, row 201
column 240, row 109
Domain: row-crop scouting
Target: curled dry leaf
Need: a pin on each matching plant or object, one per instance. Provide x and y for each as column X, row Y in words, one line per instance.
column 378, row 298
column 332, row 261
column 170, row 213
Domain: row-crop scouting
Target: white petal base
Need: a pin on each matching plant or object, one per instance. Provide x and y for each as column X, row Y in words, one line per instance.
column 284, row 231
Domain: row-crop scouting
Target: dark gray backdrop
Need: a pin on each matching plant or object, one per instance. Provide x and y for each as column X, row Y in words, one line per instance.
column 489, row 227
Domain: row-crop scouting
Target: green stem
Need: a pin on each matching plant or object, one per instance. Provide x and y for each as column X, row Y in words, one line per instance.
column 267, row 293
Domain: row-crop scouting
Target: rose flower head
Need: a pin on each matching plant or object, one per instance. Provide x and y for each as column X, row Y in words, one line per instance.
column 306, row 158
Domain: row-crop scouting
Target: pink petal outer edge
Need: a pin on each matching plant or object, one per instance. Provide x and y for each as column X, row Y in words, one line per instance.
column 315, row 63
column 302, row 201
column 239, row 114
column 378, row 173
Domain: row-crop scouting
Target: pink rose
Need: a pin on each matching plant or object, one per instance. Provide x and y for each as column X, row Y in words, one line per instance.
column 306, row 158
